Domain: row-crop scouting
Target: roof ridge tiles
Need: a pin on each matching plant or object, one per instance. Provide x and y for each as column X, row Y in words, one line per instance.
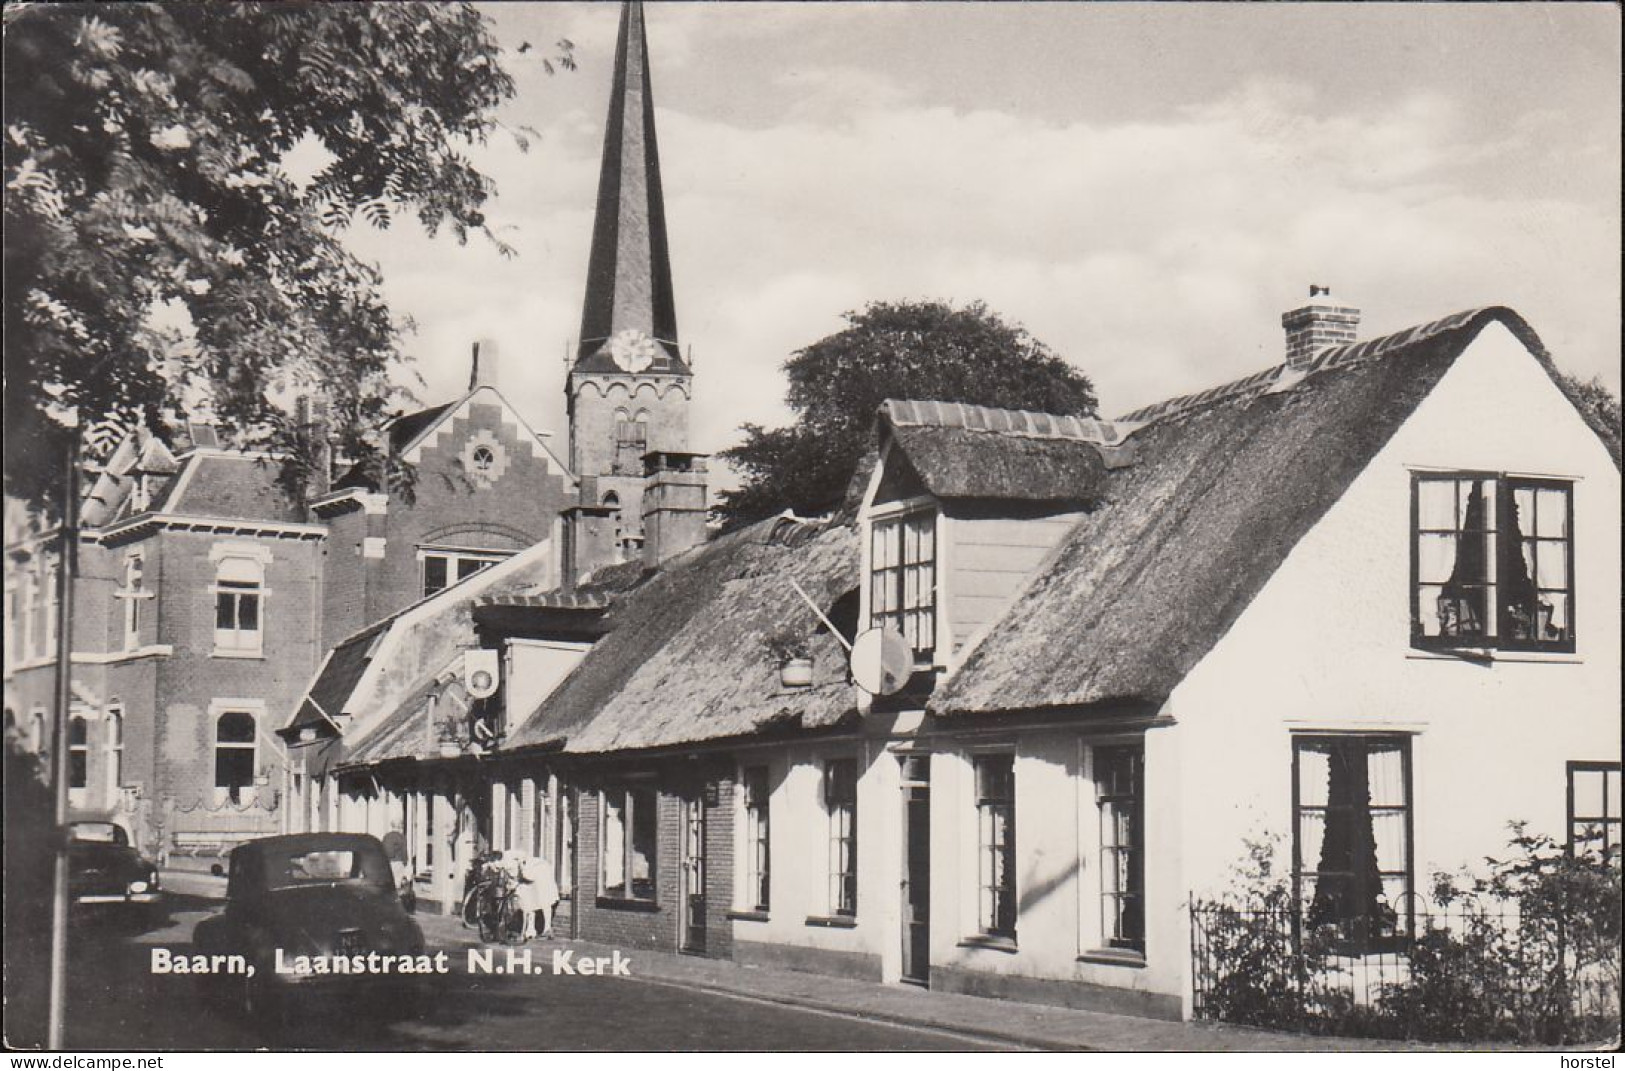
column 997, row 420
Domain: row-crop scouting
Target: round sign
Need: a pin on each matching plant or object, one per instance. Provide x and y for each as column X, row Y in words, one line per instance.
column 481, row 683
column 882, row 661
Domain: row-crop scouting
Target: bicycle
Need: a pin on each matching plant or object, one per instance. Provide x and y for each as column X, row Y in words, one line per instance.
column 500, row 917
column 483, row 875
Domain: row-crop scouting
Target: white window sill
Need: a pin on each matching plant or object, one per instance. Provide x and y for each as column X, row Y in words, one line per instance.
column 234, row 652
column 1487, row 655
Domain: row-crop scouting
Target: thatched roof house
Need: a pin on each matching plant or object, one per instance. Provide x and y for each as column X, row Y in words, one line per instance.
column 1224, row 484
column 684, row 660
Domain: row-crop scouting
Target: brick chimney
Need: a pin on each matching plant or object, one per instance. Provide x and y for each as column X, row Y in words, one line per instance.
column 589, row 541
column 674, row 507
column 483, row 370
column 1317, row 325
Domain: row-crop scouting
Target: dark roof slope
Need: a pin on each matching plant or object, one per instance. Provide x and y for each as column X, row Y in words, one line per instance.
column 232, row 485
column 338, row 678
column 684, row 660
column 1225, row 483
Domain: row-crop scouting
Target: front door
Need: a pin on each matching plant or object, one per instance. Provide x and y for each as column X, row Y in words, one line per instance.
column 692, row 895
column 916, row 869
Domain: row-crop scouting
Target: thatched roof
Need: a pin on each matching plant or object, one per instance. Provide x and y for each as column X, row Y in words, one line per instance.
column 1225, row 483
column 684, row 660
column 972, row 451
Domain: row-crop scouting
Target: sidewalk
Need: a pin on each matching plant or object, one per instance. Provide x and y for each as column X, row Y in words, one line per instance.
column 1029, row 1025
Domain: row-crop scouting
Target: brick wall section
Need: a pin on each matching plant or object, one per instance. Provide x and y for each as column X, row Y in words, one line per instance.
column 658, row 928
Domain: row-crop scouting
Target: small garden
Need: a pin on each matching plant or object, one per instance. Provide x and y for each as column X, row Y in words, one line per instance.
column 1525, row 951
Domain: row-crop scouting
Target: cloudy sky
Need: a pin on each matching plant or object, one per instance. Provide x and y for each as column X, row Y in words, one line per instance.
column 1145, row 186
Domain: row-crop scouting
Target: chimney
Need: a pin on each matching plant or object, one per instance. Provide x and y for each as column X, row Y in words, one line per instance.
column 1317, row 325
column 674, row 507
column 589, row 541
column 483, row 373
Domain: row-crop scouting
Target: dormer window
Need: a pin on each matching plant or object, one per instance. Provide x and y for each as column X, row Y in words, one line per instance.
column 903, row 578
column 1492, row 562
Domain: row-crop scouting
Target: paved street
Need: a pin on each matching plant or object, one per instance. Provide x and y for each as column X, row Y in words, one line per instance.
column 117, row 1003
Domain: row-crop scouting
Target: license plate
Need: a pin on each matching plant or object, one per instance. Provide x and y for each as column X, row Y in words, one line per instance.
column 350, row 942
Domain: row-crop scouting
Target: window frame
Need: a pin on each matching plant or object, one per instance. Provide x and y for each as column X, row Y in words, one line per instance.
column 78, row 753
column 1405, row 922
column 1506, row 486
column 114, row 733
column 842, row 838
column 900, row 515
column 630, row 811
column 247, row 588
column 997, row 903
column 1612, row 827
column 1112, row 895
column 236, row 793
column 756, row 793
column 455, row 559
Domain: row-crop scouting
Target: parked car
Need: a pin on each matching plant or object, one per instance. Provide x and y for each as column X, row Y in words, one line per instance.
column 312, row 895
column 103, row 869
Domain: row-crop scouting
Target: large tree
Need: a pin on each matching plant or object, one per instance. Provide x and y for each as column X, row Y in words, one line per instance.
column 144, row 159
column 925, row 349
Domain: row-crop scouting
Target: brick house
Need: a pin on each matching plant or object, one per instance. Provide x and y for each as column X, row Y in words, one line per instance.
column 206, row 597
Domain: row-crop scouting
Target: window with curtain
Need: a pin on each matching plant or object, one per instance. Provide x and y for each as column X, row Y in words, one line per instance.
column 1594, row 811
column 757, row 826
column 628, row 856
column 78, row 752
column 1352, row 846
column 996, row 838
column 903, row 579
column 1492, row 562
column 1120, row 798
column 235, row 748
column 841, row 805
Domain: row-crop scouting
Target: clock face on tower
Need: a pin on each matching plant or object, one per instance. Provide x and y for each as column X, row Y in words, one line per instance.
column 632, row 350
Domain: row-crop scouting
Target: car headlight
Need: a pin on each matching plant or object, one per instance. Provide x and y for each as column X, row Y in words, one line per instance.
column 138, row 886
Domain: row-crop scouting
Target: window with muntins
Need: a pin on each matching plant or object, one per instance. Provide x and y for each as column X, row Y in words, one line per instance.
column 996, row 834
column 841, row 804
column 628, row 856
column 133, row 596
column 1351, row 850
column 442, row 569
column 1492, row 562
column 757, row 827
column 234, row 752
column 903, row 579
column 1120, row 798
column 239, row 600
column 115, row 750
column 1594, row 811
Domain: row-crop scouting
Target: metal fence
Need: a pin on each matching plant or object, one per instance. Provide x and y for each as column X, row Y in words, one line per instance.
column 1457, row 974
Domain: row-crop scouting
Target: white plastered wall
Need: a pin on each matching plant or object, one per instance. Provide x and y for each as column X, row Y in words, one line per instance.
column 1325, row 646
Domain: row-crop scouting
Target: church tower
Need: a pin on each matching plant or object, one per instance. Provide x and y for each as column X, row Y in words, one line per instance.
column 628, row 388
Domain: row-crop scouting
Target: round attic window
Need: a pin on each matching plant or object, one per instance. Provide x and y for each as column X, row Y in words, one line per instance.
column 484, row 459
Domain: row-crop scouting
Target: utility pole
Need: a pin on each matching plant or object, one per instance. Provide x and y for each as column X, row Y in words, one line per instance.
column 67, row 561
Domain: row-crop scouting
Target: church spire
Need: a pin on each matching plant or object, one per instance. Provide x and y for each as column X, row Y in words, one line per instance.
column 629, row 301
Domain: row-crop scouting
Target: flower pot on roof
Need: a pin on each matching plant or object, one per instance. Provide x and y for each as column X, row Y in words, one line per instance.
column 793, row 656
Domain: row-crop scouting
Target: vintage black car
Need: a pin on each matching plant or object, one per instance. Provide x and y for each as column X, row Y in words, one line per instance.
column 103, row 869
column 313, row 900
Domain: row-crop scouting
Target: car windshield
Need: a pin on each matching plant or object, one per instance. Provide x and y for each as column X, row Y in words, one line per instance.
column 99, row 833
column 327, row 866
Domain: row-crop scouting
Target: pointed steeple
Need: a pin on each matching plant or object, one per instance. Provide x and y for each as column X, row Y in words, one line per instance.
column 629, row 294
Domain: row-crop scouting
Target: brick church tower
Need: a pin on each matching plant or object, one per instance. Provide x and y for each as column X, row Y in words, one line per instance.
column 628, row 388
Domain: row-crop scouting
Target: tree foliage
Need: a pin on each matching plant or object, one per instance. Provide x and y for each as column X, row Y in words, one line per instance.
column 1599, row 405
column 925, row 350
column 144, row 160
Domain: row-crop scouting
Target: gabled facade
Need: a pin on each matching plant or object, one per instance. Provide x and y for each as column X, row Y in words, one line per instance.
column 205, row 599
